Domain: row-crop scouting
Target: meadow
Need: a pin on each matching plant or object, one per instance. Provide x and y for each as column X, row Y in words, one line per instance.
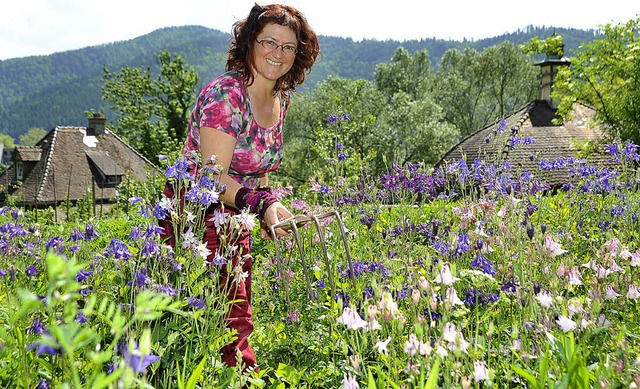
column 465, row 277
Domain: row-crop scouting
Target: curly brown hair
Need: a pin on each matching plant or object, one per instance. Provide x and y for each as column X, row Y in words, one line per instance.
column 244, row 35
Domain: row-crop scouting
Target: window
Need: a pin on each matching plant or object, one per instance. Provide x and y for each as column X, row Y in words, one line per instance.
column 19, row 171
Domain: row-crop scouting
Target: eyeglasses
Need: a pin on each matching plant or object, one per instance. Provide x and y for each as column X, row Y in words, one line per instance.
column 270, row 45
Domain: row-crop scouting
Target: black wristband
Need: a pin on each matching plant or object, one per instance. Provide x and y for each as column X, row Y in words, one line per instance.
column 258, row 200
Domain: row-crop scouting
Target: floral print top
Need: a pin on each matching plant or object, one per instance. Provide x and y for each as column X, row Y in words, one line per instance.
column 224, row 105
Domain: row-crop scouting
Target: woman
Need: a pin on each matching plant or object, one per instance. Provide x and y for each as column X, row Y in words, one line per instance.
column 238, row 120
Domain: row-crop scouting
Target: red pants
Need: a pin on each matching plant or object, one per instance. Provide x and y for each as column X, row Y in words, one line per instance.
column 239, row 317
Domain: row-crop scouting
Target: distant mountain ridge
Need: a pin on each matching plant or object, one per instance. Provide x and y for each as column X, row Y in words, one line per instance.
column 56, row 89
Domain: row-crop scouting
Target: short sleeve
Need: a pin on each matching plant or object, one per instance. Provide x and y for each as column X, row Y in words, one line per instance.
column 223, row 107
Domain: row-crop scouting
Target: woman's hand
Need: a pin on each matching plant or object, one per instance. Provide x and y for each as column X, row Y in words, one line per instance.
column 272, row 216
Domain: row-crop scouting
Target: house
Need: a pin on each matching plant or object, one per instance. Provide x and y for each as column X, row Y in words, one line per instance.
column 545, row 140
column 69, row 164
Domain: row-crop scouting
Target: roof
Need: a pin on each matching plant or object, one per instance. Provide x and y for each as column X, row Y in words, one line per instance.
column 492, row 144
column 64, row 168
column 27, row 153
column 104, row 163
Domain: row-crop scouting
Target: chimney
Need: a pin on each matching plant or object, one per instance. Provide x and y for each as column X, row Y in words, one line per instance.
column 548, row 70
column 96, row 125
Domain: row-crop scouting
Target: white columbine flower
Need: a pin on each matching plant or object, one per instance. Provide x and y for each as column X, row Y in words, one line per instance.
column 545, row 299
column 203, row 251
column 351, row 319
column 382, row 346
column 566, row 324
column 480, row 371
column 246, row 219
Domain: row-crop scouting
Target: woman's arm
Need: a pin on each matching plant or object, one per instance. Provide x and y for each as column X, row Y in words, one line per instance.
column 219, row 146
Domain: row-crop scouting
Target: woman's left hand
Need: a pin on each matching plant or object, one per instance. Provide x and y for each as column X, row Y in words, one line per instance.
column 272, row 216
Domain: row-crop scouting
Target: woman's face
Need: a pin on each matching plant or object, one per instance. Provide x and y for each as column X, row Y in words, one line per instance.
column 273, row 57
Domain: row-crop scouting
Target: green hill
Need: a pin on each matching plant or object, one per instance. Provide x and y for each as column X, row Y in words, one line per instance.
column 45, row 91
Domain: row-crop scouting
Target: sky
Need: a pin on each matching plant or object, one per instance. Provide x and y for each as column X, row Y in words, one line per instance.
column 42, row 27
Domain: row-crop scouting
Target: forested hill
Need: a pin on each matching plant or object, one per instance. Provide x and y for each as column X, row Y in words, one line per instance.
column 56, row 89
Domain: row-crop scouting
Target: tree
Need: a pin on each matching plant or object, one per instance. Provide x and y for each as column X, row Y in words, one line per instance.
column 311, row 138
column 411, row 127
column 405, row 73
column 7, row 141
column 477, row 88
column 33, row 136
column 412, row 131
column 152, row 114
column 605, row 73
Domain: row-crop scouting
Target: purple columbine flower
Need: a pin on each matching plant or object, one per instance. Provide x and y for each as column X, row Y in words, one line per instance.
column 484, row 264
column 44, row 349
column 135, row 233
column 81, row 318
column 197, row 303
column 141, row 278
column 137, row 361
column 37, row 327
column 31, row 271
column 83, row 275
column 167, row 289
column 218, row 260
column 43, row 384
column 90, row 232
column 76, row 235
column 118, row 250
column 149, row 248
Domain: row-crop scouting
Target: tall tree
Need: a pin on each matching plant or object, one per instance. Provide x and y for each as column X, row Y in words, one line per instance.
column 477, row 88
column 411, row 127
column 405, row 73
column 152, row 114
column 605, row 73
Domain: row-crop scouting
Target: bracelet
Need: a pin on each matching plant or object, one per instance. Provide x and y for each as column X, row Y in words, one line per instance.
column 258, row 200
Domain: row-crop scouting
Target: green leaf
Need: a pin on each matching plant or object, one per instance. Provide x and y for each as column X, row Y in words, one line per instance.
column 197, row 373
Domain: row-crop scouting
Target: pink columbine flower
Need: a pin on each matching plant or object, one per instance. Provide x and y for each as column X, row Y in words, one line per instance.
column 424, row 284
column 635, row 259
column 552, row 247
column 445, row 277
column 451, row 298
column 349, row 382
column 351, row 319
column 633, row 292
column 411, row 346
column 610, row 293
column 246, row 219
column 574, row 276
column 454, row 338
column 388, row 307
